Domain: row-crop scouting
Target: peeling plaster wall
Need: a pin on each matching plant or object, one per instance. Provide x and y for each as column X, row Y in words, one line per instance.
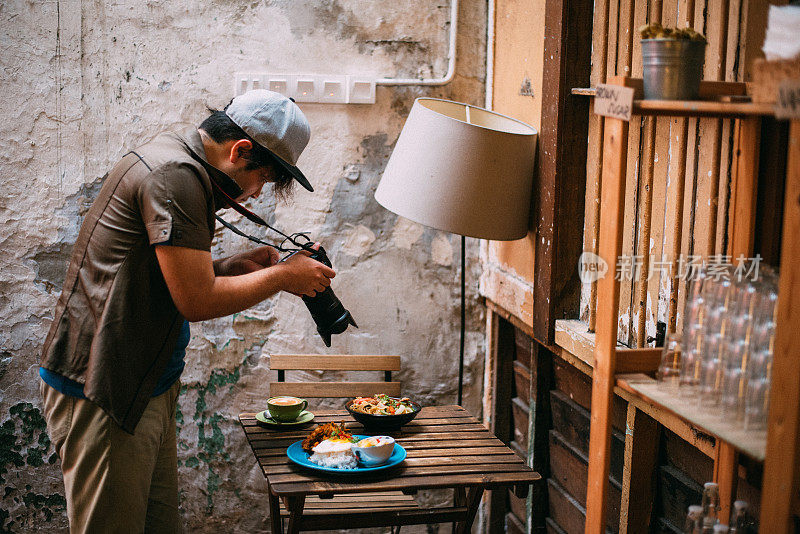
column 84, row 81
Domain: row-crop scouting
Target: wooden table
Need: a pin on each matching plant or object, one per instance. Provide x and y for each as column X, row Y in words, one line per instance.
column 447, row 448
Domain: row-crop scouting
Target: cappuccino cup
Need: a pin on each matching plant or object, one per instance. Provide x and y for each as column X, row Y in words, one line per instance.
column 285, row 409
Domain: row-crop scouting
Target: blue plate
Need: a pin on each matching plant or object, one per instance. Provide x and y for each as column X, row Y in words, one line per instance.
column 296, row 454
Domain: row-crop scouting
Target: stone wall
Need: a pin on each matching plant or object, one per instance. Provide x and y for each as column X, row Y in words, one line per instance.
column 84, row 81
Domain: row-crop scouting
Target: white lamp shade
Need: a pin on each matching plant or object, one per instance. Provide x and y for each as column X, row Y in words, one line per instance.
column 461, row 169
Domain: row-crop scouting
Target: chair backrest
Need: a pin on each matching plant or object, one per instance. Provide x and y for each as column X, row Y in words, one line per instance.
column 339, row 362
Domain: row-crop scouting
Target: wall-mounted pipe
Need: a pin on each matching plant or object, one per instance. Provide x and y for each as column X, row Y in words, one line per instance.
column 489, row 54
column 451, row 59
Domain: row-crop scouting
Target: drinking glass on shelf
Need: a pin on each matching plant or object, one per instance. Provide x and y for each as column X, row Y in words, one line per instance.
column 734, row 377
column 759, row 374
column 757, row 391
column 669, row 371
column 691, row 358
column 761, row 346
column 711, row 369
column 695, row 303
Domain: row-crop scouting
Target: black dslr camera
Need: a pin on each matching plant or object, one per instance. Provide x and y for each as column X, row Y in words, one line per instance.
column 326, row 309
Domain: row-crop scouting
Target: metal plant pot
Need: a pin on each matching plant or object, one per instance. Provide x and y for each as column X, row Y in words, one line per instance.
column 672, row 68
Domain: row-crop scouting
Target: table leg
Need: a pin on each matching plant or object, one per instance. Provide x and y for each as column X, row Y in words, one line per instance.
column 275, row 514
column 459, row 499
column 295, row 505
column 473, row 499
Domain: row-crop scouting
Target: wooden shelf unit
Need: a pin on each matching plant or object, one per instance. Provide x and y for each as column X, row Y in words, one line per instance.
column 751, row 442
column 781, row 482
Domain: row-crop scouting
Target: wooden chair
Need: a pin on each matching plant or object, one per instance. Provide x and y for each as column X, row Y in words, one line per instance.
column 341, row 510
column 334, row 390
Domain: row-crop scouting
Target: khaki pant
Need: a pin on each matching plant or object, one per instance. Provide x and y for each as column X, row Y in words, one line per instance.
column 114, row 481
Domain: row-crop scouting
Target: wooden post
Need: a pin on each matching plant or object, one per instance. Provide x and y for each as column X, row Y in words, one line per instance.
column 782, row 464
column 726, row 474
column 561, row 189
column 641, row 453
column 615, row 152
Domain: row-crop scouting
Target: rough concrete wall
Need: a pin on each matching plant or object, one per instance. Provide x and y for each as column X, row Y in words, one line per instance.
column 84, row 81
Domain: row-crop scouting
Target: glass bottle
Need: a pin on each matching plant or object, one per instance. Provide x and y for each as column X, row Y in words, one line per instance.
column 710, row 505
column 694, row 520
column 738, row 517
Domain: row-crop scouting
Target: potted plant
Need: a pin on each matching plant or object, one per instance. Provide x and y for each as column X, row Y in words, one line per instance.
column 672, row 62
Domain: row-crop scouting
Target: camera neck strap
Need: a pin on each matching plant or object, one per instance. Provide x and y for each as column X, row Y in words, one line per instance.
column 249, row 215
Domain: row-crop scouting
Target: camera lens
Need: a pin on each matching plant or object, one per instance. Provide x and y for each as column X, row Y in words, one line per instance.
column 329, row 314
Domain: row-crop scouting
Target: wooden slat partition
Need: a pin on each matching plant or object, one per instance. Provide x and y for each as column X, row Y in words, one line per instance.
column 342, row 362
column 666, row 215
column 610, row 291
column 318, row 390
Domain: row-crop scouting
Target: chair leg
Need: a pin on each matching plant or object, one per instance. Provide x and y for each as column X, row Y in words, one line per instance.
column 459, row 499
column 473, row 500
column 295, row 507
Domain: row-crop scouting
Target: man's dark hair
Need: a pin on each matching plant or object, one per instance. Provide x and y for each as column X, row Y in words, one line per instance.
column 221, row 128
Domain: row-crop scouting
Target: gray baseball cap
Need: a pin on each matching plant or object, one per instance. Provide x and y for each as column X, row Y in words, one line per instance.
column 276, row 123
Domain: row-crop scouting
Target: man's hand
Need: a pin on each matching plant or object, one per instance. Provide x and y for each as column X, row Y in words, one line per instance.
column 246, row 262
column 306, row 276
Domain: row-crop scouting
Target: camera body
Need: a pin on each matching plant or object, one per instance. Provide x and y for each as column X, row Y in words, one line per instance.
column 330, row 316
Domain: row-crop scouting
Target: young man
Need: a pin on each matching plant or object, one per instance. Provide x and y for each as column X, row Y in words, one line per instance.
column 140, row 270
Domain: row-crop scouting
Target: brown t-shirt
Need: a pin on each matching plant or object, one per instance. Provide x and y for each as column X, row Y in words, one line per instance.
column 115, row 324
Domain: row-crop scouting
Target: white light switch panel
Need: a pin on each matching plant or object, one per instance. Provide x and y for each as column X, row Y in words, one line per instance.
column 309, row 88
column 361, row 90
column 334, row 89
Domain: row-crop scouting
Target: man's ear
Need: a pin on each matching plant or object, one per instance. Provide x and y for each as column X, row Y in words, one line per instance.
column 239, row 150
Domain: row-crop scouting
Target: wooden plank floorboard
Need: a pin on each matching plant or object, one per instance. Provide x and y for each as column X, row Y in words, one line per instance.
column 408, row 431
column 328, row 415
column 426, row 460
column 419, row 451
column 488, row 480
column 455, row 440
column 267, row 437
column 363, row 506
column 279, row 474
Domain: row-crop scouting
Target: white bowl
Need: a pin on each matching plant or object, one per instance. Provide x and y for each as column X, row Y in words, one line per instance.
column 374, row 455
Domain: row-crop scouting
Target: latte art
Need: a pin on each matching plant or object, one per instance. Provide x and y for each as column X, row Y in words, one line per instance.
column 285, row 401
